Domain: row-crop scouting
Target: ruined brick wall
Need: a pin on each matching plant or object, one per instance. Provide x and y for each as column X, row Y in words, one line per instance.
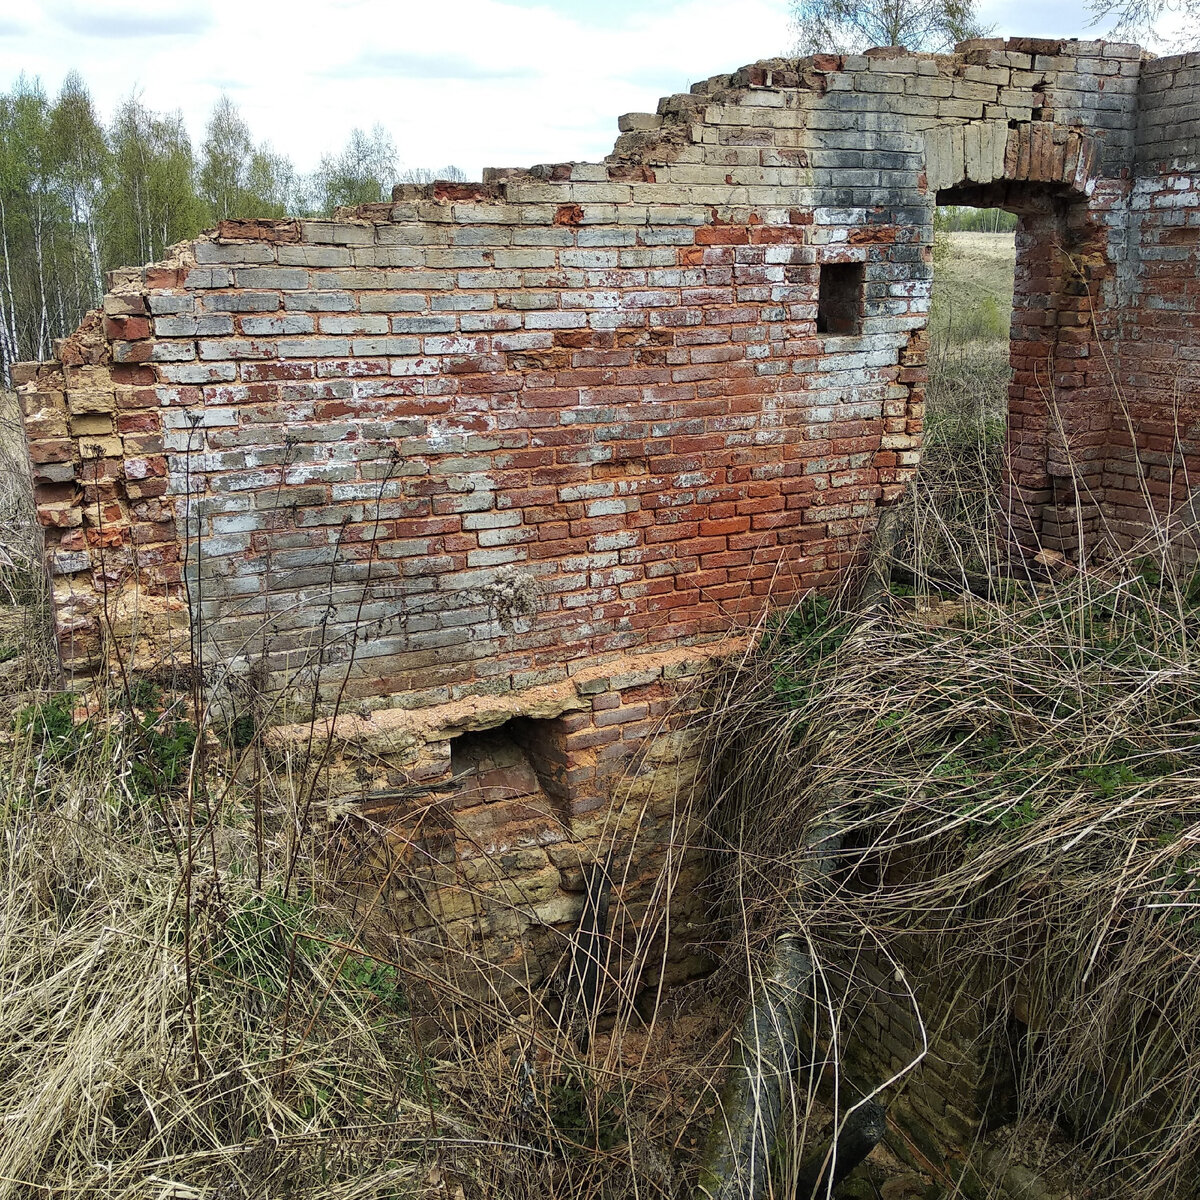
column 474, row 439
column 538, row 432
column 1154, row 462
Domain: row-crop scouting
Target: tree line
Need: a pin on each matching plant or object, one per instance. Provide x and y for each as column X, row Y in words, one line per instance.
column 80, row 196
column 953, row 218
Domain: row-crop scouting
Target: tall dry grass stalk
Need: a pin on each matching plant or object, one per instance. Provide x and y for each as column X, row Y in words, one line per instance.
column 153, row 1040
column 1014, row 787
column 196, row 1003
column 26, row 657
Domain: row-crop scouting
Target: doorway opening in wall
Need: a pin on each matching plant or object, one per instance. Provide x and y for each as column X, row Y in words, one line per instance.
column 957, row 501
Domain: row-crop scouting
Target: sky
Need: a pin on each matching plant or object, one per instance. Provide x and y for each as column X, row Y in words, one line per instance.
column 475, row 83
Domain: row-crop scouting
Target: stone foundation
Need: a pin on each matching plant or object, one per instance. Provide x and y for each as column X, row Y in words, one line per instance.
column 472, row 823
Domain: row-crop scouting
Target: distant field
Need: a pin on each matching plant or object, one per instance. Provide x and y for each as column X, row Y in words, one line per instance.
column 972, row 290
column 956, row 496
column 968, row 335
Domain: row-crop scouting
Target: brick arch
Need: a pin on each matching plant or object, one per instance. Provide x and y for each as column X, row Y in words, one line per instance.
column 982, row 153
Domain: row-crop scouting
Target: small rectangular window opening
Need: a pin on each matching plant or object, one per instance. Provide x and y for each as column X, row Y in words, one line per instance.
column 840, row 298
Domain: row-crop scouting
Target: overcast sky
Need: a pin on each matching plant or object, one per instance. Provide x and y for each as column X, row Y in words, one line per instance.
column 471, row 82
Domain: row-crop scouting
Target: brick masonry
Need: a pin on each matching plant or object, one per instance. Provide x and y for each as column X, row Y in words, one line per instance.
column 478, row 438
column 528, row 434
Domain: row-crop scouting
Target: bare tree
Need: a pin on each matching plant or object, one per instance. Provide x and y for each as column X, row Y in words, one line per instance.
column 848, row 26
column 1168, row 24
column 363, row 173
column 238, row 178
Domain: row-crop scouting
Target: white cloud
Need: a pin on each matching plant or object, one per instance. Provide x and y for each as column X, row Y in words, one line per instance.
column 478, row 83
column 473, row 82
column 128, row 19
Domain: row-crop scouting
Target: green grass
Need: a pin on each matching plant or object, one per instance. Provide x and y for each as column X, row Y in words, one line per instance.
column 969, row 317
column 973, row 287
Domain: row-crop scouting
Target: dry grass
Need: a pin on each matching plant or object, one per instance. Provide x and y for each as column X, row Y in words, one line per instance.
column 1011, row 779
column 950, row 534
column 25, row 656
column 972, row 296
column 165, row 1021
column 190, row 1006
column 1016, row 797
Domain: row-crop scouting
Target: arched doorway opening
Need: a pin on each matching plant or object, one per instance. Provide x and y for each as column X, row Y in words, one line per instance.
column 1016, row 427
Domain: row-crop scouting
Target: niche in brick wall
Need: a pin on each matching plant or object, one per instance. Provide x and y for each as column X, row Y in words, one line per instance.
column 522, row 762
column 840, row 298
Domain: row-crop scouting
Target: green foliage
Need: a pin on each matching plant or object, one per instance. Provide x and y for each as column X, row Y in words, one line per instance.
column 156, row 746
column 1190, row 589
column 150, row 199
column 952, row 218
column 82, row 159
column 1111, row 778
column 1176, row 883
column 1024, row 812
column 254, row 943
column 145, row 694
column 950, row 530
column 814, row 628
column 79, row 197
column 33, row 215
column 163, row 755
column 372, row 982
column 76, row 200
column 810, row 633
column 264, row 934
column 162, row 743
column 973, row 288
column 52, row 728
column 237, row 178
column 242, row 730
